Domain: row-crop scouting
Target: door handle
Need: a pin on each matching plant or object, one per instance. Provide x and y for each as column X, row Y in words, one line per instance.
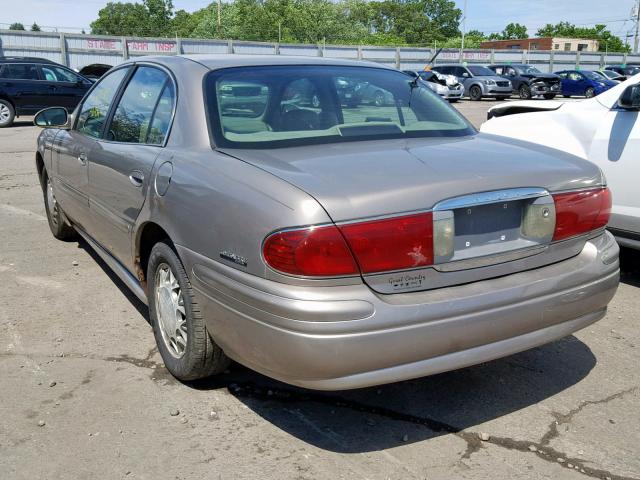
column 136, row 178
column 82, row 158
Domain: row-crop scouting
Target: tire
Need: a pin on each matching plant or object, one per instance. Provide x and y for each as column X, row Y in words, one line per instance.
column 7, row 113
column 549, row 96
column 172, row 301
column 566, row 96
column 55, row 217
column 378, row 99
column 590, row 92
column 525, row 92
column 475, row 93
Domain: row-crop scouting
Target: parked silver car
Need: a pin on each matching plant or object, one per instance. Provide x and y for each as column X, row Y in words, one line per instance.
column 479, row 82
column 447, row 86
column 327, row 246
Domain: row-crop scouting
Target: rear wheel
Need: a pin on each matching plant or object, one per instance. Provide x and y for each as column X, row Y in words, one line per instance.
column 590, row 92
column 57, row 223
column 525, row 92
column 7, row 113
column 566, row 96
column 183, row 341
column 475, row 93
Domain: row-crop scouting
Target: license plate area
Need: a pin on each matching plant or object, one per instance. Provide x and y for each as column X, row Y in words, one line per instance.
column 492, row 224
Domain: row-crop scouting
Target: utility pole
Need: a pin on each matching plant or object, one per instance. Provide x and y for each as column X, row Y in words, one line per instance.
column 636, row 14
column 464, row 28
column 219, row 18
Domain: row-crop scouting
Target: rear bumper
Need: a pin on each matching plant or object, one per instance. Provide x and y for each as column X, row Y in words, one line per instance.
column 349, row 337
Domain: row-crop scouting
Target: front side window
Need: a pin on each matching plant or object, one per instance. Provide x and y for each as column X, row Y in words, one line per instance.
column 57, row 74
column 94, row 109
column 20, row 71
column 134, row 114
column 280, row 106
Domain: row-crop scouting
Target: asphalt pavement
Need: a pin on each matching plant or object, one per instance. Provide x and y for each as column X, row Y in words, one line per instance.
column 84, row 394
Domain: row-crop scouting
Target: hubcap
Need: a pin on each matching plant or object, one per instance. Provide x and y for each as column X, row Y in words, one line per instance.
column 4, row 113
column 170, row 311
column 52, row 204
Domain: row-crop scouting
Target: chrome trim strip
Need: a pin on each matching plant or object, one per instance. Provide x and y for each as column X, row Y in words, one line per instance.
column 117, row 268
column 486, row 198
column 479, row 262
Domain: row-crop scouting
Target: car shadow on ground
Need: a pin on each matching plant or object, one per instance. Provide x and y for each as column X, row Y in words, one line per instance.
column 137, row 304
column 387, row 416
column 630, row 266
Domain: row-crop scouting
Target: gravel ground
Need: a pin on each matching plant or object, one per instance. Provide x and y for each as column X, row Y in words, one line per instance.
column 83, row 393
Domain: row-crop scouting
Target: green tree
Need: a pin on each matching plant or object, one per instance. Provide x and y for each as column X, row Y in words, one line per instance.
column 607, row 40
column 514, row 31
column 16, row 26
column 35, row 27
column 122, row 19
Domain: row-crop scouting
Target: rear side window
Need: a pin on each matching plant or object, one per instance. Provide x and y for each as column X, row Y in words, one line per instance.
column 57, row 74
column 146, row 94
column 93, row 112
column 20, row 71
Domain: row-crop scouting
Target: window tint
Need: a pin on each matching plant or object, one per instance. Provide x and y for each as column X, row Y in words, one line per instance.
column 20, row 71
column 94, row 109
column 162, row 117
column 283, row 106
column 134, row 113
column 576, row 77
column 57, row 74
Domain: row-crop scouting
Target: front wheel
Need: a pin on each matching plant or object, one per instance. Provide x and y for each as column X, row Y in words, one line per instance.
column 183, row 341
column 525, row 92
column 590, row 92
column 7, row 113
column 57, row 223
column 475, row 93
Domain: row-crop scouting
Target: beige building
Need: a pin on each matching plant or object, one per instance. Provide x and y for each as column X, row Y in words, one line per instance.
column 544, row 43
column 575, row 45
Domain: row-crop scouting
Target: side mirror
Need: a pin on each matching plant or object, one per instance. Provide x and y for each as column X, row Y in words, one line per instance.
column 52, row 117
column 630, row 98
column 466, row 75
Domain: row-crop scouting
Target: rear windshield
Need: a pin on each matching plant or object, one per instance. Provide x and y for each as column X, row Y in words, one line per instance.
column 280, row 106
column 481, row 71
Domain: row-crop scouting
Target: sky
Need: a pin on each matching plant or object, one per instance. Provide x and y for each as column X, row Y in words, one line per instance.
column 485, row 15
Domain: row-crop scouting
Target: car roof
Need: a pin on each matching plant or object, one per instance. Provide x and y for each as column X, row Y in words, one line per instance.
column 26, row 60
column 227, row 60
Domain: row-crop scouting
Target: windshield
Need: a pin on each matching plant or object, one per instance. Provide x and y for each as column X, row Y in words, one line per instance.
column 592, row 76
column 528, row 69
column 281, row 106
column 610, row 74
column 481, row 71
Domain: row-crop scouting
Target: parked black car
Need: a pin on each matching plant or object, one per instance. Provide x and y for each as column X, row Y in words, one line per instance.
column 528, row 81
column 94, row 71
column 627, row 70
column 28, row 85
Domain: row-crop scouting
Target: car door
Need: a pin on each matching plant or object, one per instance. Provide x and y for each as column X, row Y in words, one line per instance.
column 66, row 88
column 512, row 75
column 21, row 83
column 578, row 83
column 615, row 149
column 74, row 148
column 121, row 164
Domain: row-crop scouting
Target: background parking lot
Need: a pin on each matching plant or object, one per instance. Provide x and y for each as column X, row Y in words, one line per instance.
column 83, row 393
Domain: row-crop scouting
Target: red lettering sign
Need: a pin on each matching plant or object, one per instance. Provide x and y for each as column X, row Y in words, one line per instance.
column 102, row 44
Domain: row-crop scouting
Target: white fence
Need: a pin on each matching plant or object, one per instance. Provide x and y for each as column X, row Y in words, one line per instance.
column 77, row 51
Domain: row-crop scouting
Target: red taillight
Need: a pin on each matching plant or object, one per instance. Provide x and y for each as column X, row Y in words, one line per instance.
column 581, row 212
column 391, row 244
column 310, row 252
column 379, row 245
